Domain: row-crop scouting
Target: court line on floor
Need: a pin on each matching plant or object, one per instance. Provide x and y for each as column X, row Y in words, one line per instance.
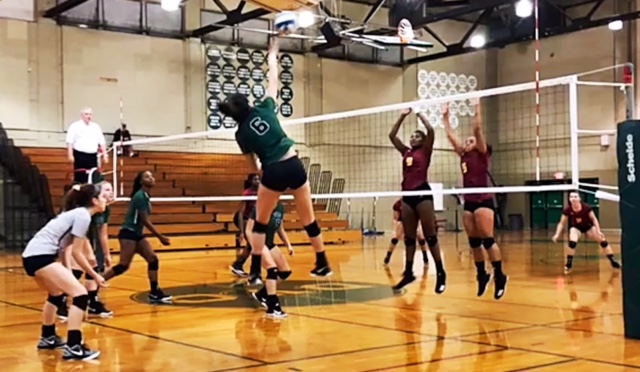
column 457, row 338
column 511, row 347
column 158, row 338
column 20, row 324
column 499, row 350
column 373, row 348
column 551, row 364
column 503, row 302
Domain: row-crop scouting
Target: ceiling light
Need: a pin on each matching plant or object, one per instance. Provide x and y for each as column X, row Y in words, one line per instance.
column 306, row 18
column 524, row 8
column 615, row 25
column 477, row 41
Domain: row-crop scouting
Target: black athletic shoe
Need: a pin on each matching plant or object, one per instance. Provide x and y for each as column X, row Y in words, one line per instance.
column 500, row 282
column 97, row 308
column 261, row 299
column 79, row 352
column 159, row 297
column 50, row 343
column 321, row 271
column 483, row 282
column 238, row 271
column 254, row 280
column 616, row 264
column 441, row 282
column 274, row 311
column 407, row 279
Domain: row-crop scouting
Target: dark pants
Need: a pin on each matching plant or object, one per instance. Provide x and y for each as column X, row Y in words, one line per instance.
column 82, row 163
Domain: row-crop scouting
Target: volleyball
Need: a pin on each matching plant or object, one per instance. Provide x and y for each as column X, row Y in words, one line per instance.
column 286, row 22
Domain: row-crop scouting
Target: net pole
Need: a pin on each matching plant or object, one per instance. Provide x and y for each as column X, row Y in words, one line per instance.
column 121, row 146
column 573, row 123
column 536, row 32
column 628, row 73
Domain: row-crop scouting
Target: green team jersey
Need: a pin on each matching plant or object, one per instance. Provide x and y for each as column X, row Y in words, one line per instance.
column 277, row 216
column 100, row 218
column 262, row 134
column 139, row 203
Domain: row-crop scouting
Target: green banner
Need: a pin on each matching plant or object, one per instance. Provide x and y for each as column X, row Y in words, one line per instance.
column 628, row 152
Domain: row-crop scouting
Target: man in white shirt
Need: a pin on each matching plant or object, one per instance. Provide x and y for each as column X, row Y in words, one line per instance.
column 84, row 140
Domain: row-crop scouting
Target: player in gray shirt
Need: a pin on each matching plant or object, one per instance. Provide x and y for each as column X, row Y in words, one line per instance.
column 40, row 260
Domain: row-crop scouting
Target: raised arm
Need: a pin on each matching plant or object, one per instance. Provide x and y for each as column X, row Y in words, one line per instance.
column 272, row 62
column 393, row 135
column 451, row 135
column 431, row 133
column 481, row 143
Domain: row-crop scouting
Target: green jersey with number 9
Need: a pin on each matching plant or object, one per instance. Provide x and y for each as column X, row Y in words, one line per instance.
column 262, row 134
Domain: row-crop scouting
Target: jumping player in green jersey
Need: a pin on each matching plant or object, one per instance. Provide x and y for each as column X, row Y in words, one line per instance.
column 261, row 136
column 272, row 257
column 132, row 239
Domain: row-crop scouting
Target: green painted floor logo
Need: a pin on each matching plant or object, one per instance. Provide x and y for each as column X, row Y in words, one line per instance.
column 290, row 292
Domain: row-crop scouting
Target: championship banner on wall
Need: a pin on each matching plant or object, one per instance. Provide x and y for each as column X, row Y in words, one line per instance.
column 240, row 70
column 433, row 84
column 23, row 10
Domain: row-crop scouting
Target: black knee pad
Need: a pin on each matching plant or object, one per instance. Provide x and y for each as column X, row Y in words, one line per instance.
column 153, row 265
column 487, row 243
column 272, row 273
column 432, row 241
column 604, row 244
column 284, row 275
column 573, row 245
column 259, row 228
column 408, row 242
column 312, row 229
column 422, row 242
column 120, row 269
column 77, row 273
column 81, row 302
column 475, row 243
column 57, row 301
column 394, row 241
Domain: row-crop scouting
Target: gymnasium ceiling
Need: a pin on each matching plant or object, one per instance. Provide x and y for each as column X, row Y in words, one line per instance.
column 498, row 16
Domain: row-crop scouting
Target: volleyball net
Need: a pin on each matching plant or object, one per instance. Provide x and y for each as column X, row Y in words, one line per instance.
column 549, row 139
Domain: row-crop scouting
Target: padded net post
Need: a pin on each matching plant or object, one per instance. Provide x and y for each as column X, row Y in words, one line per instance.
column 628, row 151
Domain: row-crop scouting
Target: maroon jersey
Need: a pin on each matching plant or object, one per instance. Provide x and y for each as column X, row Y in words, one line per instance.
column 415, row 165
column 475, row 173
column 397, row 206
column 580, row 218
column 249, row 204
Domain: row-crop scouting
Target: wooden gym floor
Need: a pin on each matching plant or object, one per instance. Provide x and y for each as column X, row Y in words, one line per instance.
column 351, row 322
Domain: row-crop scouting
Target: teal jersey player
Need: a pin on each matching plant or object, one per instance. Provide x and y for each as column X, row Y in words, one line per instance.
column 277, row 216
column 140, row 202
column 262, row 134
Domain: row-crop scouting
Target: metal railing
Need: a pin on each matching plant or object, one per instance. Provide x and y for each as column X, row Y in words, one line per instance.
column 26, row 200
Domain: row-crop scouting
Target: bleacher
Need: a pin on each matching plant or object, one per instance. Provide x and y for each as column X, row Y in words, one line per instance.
column 189, row 225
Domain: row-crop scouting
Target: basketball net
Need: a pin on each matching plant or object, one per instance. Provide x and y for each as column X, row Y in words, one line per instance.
column 405, row 31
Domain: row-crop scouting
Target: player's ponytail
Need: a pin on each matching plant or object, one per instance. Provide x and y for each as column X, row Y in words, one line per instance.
column 137, row 184
column 80, row 196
